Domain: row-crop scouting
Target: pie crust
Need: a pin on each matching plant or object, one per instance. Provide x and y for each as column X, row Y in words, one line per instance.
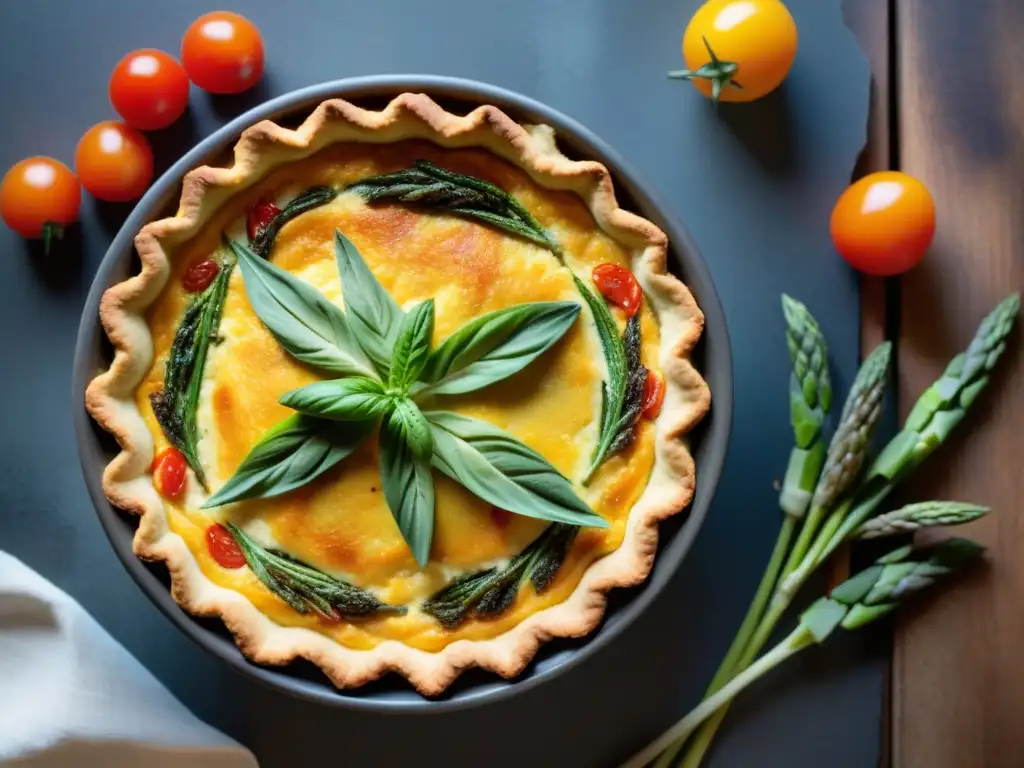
column 265, row 146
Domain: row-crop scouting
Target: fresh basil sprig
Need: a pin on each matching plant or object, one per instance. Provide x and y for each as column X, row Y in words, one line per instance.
column 305, row 588
column 496, row 345
column 309, row 327
column 176, row 404
column 489, row 462
column 425, row 185
column 498, row 468
column 293, row 453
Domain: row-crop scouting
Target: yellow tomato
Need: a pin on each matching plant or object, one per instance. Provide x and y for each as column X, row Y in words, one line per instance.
column 738, row 50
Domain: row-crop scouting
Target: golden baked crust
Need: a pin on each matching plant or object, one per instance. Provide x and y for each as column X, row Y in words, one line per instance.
column 265, row 146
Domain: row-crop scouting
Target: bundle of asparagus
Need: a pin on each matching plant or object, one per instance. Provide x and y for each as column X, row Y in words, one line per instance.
column 832, row 499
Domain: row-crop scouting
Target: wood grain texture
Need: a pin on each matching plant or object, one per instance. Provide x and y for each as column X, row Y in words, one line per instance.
column 958, row 692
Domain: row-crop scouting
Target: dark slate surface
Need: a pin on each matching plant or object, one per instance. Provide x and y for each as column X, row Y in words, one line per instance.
column 754, row 185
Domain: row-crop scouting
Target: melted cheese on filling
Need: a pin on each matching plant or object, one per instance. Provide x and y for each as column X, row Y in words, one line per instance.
column 340, row 523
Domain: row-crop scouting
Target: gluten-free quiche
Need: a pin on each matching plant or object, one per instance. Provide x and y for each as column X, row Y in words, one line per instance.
column 400, row 390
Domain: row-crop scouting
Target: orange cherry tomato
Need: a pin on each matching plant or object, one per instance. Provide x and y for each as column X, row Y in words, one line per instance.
column 738, row 50
column 618, row 285
column 149, row 89
column 170, row 471
column 259, row 216
column 199, row 275
column 39, row 197
column 223, row 52
column 114, row 162
column 884, row 223
column 654, row 395
column 223, row 547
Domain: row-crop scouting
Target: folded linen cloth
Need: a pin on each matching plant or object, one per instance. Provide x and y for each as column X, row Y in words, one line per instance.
column 71, row 695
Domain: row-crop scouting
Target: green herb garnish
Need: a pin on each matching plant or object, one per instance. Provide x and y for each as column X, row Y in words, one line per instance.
column 622, row 396
column 370, row 309
column 489, row 593
column 386, row 365
column 496, row 345
column 296, row 451
column 498, row 468
column 305, row 588
column 307, row 201
column 427, row 186
column 406, row 444
column 309, row 327
column 176, row 404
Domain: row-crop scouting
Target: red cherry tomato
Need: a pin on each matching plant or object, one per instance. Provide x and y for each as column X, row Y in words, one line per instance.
column 223, row 52
column 170, row 470
column 149, row 89
column 618, row 285
column 223, row 547
column 39, row 197
column 259, row 216
column 199, row 275
column 114, row 162
column 884, row 223
column 654, row 395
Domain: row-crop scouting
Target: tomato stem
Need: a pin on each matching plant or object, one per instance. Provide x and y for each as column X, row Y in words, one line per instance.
column 51, row 231
column 719, row 73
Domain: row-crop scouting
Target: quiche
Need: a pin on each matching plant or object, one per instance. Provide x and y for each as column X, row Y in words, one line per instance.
column 400, row 390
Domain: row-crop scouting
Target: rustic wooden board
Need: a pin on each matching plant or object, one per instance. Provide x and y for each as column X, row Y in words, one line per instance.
column 958, row 683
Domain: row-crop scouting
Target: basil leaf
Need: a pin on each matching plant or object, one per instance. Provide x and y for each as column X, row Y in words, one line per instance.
column 412, row 346
column 408, row 483
column 303, row 321
column 499, row 469
column 414, row 427
column 372, row 314
column 355, row 398
column 496, row 345
column 614, row 393
column 293, row 453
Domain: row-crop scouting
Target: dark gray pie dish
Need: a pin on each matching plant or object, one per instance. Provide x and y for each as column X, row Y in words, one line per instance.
column 391, row 694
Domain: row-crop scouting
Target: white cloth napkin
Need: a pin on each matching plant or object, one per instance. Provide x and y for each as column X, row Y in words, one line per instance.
column 71, row 695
